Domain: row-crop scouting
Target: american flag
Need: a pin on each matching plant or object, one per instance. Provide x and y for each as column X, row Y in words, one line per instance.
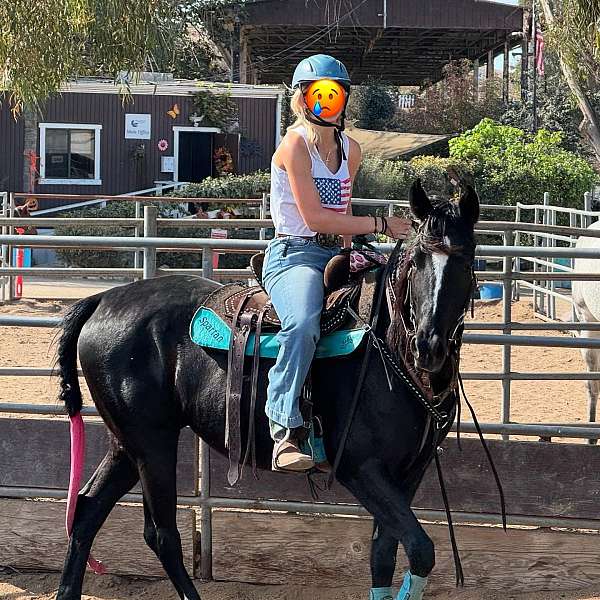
column 539, row 50
column 334, row 193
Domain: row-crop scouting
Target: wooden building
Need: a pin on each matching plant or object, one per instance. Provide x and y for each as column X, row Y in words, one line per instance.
column 90, row 140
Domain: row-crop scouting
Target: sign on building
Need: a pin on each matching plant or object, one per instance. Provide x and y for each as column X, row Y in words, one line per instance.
column 137, row 126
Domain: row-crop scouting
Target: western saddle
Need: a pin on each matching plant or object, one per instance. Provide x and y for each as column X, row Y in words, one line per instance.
column 249, row 310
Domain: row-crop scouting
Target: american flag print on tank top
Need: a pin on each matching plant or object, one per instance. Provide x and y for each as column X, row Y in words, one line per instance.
column 334, row 193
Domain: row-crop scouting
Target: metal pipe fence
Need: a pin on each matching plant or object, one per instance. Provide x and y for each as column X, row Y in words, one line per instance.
column 145, row 244
column 151, row 244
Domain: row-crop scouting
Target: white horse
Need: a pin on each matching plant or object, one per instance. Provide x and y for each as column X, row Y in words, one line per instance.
column 586, row 296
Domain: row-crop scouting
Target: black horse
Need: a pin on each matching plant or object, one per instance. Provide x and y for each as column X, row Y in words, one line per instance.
column 148, row 380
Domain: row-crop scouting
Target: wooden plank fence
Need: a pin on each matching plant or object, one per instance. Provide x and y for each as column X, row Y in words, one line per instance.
column 540, row 480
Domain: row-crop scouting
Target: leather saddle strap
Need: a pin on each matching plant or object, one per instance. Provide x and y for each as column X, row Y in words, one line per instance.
column 230, row 360
column 251, row 443
column 235, row 396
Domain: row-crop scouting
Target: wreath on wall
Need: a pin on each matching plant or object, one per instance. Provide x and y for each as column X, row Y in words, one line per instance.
column 223, row 161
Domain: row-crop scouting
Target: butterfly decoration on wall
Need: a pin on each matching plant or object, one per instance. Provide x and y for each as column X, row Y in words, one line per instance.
column 174, row 111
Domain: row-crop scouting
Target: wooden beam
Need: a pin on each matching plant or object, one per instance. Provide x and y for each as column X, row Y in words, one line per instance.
column 32, row 536
column 544, row 485
column 271, row 548
column 36, row 453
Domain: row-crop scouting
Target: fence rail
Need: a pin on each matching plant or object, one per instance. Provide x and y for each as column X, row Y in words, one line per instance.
column 147, row 244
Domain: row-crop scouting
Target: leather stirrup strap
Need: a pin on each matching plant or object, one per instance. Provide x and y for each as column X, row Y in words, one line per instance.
column 230, row 361
column 251, row 443
column 235, row 396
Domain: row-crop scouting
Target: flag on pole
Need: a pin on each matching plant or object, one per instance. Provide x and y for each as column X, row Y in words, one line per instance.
column 539, row 50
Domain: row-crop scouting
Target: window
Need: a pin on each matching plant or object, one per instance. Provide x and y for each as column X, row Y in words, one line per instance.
column 70, row 154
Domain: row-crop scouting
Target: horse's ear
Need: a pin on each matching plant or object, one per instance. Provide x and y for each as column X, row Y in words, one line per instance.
column 420, row 205
column 468, row 205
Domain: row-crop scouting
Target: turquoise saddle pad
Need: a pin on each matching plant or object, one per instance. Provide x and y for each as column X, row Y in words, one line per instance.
column 207, row 329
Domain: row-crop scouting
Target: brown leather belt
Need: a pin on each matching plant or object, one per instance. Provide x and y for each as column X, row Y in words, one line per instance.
column 304, row 237
column 326, row 240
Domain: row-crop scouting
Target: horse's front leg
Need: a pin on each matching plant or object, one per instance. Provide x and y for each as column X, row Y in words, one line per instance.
column 385, row 499
column 384, row 548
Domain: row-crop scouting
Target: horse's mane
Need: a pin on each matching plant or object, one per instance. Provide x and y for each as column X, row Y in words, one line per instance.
column 430, row 235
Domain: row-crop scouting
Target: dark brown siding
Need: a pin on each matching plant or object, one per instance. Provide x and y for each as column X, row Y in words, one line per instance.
column 120, row 171
column 11, row 150
column 257, row 121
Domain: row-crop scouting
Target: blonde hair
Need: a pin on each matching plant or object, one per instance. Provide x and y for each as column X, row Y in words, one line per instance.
column 298, row 106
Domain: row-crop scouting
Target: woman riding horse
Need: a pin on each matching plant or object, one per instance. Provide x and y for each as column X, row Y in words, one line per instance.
column 311, row 181
column 148, row 379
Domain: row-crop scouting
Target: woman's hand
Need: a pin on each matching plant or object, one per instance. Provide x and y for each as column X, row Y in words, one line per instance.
column 398, row 228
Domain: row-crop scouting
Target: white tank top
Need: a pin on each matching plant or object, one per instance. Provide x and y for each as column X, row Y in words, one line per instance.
column 333, row 188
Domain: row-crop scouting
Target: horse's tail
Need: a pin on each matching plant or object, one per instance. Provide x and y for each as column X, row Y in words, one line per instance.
column 73, row 322
column 70, row 394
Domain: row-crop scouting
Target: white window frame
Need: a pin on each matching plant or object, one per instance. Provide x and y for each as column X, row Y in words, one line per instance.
column 55, row 181
column 176, row 130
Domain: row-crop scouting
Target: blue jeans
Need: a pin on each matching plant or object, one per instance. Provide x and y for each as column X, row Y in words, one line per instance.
column 293, row 277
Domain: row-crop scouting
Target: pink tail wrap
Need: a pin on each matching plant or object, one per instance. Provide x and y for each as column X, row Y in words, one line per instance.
column 77, row 461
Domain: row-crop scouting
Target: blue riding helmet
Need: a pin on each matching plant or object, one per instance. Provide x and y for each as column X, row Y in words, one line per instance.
column 320, row 66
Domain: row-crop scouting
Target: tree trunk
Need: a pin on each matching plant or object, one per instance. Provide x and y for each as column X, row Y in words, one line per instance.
column 593, row 123
column 30, row 120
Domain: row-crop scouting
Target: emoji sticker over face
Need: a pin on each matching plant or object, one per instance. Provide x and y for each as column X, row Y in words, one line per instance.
column 325, row 98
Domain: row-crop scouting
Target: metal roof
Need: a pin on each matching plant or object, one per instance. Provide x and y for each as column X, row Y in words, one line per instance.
column 404, row 41
column 172, row 87
column 391, row 144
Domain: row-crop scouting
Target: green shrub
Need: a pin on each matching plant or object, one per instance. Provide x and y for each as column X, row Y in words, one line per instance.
column 229, row 186
column 511, row 166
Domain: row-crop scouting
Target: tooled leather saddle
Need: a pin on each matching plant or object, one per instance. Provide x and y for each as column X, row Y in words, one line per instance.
column 249, row 310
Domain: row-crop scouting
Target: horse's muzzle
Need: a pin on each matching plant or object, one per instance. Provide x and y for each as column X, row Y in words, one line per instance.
column 430, row 351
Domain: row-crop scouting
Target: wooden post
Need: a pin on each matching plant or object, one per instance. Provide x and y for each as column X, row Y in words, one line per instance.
column 476, row 78
column 150, row 228
column 243, row 56
column 505, row 74
column 525, row 58
column 489, row 74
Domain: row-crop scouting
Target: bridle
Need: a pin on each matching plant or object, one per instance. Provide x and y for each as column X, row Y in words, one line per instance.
column 402, row 333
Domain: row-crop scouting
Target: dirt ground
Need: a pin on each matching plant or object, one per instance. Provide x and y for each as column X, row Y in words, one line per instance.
column 42, row 586
column 537, row 401
column 532, row 401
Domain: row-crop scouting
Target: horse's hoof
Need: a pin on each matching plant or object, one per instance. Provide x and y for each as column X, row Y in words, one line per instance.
column 382, row 593
column 412, row 588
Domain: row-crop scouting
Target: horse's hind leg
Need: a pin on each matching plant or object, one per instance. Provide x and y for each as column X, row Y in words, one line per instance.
column 390, row 505
column 158, row 476
column 113, row 478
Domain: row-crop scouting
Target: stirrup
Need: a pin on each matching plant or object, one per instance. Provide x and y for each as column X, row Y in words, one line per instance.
column 303, row 463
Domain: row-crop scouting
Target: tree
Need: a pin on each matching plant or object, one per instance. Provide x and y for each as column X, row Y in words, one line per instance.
column 44, row 45
column 574, row 34
column 452, row 105
column 373, row 106
column 557, row 109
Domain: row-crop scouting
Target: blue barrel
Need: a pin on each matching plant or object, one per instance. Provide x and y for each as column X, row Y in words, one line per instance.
column 490, row 291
